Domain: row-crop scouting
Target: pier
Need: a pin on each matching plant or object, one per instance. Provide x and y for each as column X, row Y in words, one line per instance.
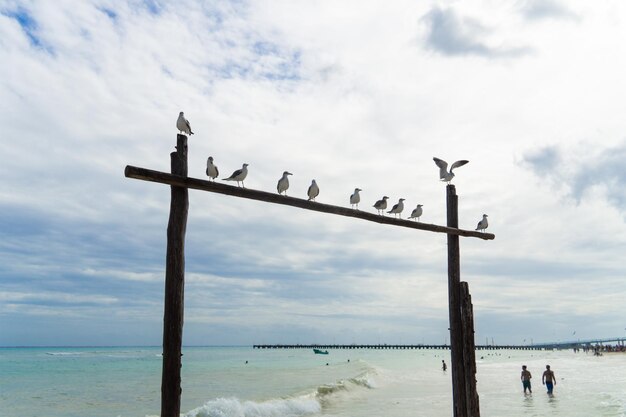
column 620, row 341
column 400, row 347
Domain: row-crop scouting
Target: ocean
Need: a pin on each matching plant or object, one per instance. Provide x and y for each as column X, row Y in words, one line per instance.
column 217, row 382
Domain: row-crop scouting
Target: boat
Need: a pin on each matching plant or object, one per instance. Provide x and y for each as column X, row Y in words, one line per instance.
column 320, row 352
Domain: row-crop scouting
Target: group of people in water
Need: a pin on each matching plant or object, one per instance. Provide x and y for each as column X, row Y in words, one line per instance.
column 548, row 379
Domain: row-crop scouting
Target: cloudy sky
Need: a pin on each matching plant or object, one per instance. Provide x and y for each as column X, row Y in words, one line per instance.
column 351, row 93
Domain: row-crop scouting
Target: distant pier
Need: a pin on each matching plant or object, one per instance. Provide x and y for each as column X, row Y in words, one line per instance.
column 588, row 343
column 396, row 347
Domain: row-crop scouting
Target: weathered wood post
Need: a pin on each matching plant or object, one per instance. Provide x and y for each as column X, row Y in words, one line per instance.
column 174, row 286
column 454, row 306
column 469, row 352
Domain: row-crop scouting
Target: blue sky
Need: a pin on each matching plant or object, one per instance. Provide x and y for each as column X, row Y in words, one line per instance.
column 355, row 94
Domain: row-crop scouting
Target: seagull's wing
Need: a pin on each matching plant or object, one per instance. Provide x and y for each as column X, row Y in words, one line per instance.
column 217, row 171
column 443, row 167
column 441, row 163
column 188, row 126
column 235, row 174
column 458, row 164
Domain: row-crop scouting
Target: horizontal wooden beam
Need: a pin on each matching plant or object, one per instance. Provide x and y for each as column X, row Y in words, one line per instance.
column 214, row 187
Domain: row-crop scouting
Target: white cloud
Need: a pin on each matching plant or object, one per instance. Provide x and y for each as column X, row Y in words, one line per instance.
column 349, row 94
column 544, row 9
column 589, row 171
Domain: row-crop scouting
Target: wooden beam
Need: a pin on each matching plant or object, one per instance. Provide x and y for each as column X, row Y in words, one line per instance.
column 204, row 185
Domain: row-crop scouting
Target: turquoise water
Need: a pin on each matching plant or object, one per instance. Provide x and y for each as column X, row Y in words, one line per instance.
column 217, row 382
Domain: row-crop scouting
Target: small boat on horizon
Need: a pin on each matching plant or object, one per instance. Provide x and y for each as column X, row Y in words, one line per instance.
column 320, row 352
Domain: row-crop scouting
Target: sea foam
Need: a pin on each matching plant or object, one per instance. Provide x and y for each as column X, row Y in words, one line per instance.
column 303, row 405
column 233, row 407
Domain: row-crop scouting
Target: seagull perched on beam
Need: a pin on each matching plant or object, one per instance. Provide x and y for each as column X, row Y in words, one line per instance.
column 313, row 191
column 483, row 224
column 239, row 175
column 444, row 175
column 417, row 212
column 283, row 183
column 381, row 205
column 183, row 125
column 355, row 198
column 397, row 208
column 211, row 169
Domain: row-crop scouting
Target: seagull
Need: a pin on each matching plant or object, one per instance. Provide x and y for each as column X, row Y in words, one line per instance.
column 239, row 175
column 483, row 224
column 313, row 190
column 183, row 124
column 444, row 175
column 397, row 208
column 381, row 205
column 211, row 169
column 283, row 183
column 416, row 213
column 355, row 198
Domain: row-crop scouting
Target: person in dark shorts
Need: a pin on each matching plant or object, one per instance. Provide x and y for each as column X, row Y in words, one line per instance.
column 548, row 379
column 525, row 377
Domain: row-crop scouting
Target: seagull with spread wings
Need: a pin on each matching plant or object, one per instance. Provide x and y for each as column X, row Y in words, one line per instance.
column 444, row 174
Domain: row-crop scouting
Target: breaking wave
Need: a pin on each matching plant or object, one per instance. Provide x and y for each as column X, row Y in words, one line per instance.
column 233, row 407
column 302, row 405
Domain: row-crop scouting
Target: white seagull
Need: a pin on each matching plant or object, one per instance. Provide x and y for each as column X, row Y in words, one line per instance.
column 417, row 212
column 444, row 175
column 397, row 208
column 211, row 169
column 355, row 198
column 381, row 205
column 483, row 224
column 183, row 125
column 283, row 183
column 239, row 175
column 313, row 191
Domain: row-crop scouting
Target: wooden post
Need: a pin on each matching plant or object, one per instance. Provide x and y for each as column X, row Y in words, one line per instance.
column 454, row 306
column 174, row 286
column 469, row 352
